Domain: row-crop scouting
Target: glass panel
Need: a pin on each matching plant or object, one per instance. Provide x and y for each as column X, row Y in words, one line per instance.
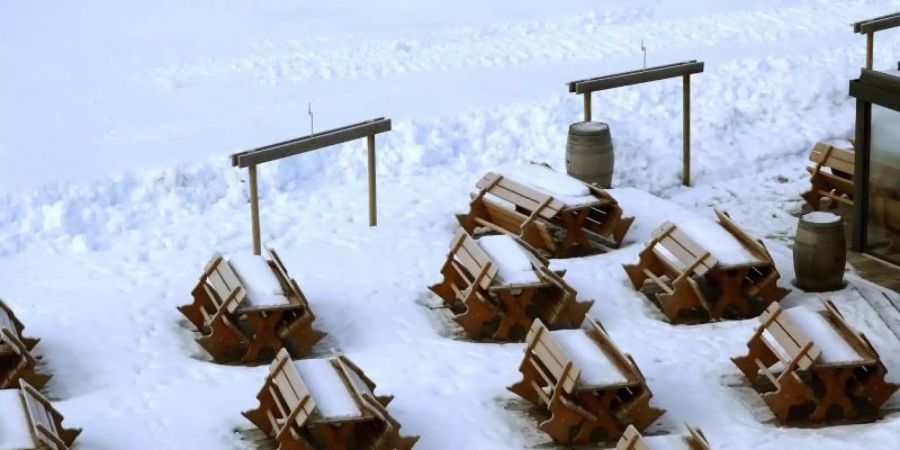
column 884, row 185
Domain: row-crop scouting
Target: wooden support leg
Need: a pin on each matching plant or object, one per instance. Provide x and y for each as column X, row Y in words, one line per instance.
column 574, row 233
column 298, row 335
column 264, row 343
column 587, row 107
column 254, row 210
column 477, row 314
column 515, row 323
column 373, row 200
column 870, row 49
column 834, row 404
column 686, row 157
column 224, row 341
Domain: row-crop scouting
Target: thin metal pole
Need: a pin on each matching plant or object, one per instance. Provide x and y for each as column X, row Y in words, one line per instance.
column 254, row 210
column 373, row 206
column 587, row 106
column 870, row 49
column 686, row 157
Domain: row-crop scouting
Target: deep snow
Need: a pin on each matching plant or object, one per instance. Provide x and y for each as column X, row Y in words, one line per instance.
column 116, row 121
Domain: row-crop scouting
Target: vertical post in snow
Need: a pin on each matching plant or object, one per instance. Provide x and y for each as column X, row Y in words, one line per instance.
column 870, row 49
column 254, row 210
column 373, row 207
column 686, row 163
column 587, row 106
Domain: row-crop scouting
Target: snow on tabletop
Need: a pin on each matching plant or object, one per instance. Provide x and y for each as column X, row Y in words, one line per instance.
column 721, row 244
column 499, row 201
column 821, row 217
column 569, row 190
column 257, row 277
column 835, row 349
column 596, row 368
column 14, row 430
column 333, row 398
column 513, row 264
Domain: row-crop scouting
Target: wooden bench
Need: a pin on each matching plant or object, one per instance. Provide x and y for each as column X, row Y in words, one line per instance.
column 546, row 222
column 836, row 183
column 695, row 286
column 487, row 306
column 16, row 360
column 31, row 422
column 325, row 404
column 632, row 440
column 811, row 366
column 235, row 326
column 591, row 389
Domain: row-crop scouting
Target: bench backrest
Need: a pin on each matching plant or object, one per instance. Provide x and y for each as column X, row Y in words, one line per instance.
column 632, row 440
column 290, row 393
column 6, row 318
column 754, row 245
column 220, row 277
column 680, row 246
column 856, row 340
column 789, row 336
column 293, row 287
column 551, row 355
column 520, row 195
column 624, row 363
column 833, row 157
column 467, row 253
column 41, row 415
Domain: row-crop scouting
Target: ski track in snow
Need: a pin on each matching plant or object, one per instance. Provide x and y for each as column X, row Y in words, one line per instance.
column 96, row 267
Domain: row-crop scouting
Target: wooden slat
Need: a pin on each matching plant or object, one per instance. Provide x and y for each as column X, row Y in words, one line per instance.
column 312, row 142
column 748, row 241
column 635, row 77
column 622, row 361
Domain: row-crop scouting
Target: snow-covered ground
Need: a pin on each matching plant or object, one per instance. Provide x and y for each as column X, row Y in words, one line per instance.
column 116, row 119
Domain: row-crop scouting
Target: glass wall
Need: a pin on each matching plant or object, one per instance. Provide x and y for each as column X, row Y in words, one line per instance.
column 884, row 185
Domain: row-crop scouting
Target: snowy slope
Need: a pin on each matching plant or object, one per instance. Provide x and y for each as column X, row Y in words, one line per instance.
column 116, row 120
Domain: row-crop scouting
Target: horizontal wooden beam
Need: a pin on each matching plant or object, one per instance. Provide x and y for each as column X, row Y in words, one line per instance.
column 878, row 88
column 636, row 77
column 877, row 24
column 309, row 143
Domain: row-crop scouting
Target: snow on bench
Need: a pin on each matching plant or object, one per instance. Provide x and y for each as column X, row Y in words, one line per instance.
column 513, row 264
column 597, row 369
column 722, row 245
column 257, row 277
column 15, row 430
column 569, row 190
column 333, row 398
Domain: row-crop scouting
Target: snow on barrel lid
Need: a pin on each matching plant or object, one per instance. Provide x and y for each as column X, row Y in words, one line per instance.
column 588, row 128
column 821, row 217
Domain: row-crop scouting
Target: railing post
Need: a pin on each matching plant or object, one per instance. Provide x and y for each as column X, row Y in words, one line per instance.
column 373, row 206
column 686, row 157
column 254, row 210
column 870, row 49
column 587, row 106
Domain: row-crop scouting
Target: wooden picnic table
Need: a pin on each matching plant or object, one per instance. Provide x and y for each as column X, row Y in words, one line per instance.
column 497, row 296
column 729, row 275
column 591, row 390
column 16, row 360
column 811, row 366
column 240, row 321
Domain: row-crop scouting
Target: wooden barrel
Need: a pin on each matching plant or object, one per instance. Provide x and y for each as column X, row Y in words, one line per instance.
column 820, row 252
column 589, row 153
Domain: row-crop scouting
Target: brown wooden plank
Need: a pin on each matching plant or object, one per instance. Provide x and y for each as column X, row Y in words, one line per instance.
column 635, row 77
column 312, row 142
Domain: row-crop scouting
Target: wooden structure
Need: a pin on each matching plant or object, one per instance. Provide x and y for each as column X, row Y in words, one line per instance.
column 591, row 390
column 811, row 366
column 632, row 440
column 560, row 226
column 251, row 158
column 870, row 27
column 695, row 286
column 488, row 304
column 16, row 361
column 30, row 422
column 683, row 70
column 835, row 183
column 876, row 212
column 325, row 404
column 236, row 326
